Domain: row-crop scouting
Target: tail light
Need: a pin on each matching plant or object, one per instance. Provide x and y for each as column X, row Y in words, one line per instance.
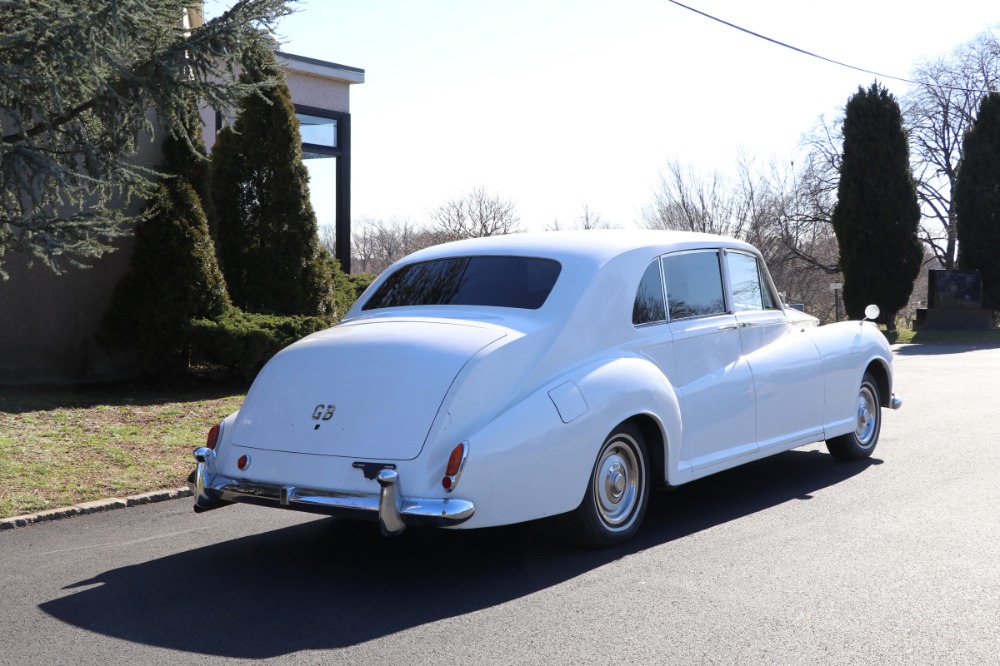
column 213, row 436
column 456, row 461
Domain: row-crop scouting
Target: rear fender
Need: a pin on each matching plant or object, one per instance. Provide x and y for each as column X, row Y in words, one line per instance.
column 530, row 463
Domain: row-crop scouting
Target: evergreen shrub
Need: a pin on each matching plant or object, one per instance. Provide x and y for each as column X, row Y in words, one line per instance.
column 242, row 342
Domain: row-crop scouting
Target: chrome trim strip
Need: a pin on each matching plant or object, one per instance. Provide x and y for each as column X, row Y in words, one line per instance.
column 389, row 507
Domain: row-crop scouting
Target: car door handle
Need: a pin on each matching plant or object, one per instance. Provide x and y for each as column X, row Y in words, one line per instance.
column 747, row 324
column 728, row 327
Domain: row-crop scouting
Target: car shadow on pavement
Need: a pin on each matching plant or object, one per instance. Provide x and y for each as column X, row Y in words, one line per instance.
column 327, row 584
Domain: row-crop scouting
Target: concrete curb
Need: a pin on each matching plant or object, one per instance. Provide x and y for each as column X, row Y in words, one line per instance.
column 93, row 507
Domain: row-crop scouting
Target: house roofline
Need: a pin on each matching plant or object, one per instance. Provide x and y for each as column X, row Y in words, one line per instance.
column 328, row 70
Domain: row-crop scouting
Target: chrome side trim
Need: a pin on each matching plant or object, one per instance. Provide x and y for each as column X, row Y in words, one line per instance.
column 895, row 402
column 389, row 507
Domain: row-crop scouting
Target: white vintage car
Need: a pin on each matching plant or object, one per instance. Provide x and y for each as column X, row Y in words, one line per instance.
column 505, row 379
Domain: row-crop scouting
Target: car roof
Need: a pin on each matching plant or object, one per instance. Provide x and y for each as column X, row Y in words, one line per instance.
column 592, row 246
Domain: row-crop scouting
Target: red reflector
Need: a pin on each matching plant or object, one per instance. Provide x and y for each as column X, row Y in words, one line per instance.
column 455, row 461
column 446, row 482
column 213, row 436
column 243, row 462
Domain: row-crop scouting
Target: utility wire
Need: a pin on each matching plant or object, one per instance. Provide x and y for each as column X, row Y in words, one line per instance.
column 825, row 59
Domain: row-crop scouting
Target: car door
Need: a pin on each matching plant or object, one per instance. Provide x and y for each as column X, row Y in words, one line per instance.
column 785, row 364
column 712, row 378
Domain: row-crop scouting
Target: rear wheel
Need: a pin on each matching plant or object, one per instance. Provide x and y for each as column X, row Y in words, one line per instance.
column 860, row 443
column 617, row 494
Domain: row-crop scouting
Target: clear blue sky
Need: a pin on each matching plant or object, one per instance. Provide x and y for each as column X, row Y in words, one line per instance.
column 561, row 103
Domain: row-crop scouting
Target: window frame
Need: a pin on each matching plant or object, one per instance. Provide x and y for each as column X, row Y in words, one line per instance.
column 319, row 149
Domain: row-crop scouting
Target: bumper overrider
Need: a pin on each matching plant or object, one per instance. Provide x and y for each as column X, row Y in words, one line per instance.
column 392, row 510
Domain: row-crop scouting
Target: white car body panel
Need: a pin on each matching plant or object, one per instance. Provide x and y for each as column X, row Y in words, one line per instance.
column 417, row 361
column 534, row 393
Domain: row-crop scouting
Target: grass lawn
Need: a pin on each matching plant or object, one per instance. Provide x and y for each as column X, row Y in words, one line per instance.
column 63, row 445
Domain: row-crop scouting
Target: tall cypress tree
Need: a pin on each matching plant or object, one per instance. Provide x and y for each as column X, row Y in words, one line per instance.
column 267, row 237
column 877, row 215
column 977, row 200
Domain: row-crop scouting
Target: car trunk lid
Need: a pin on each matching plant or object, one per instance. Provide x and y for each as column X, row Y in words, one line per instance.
column 363, row 390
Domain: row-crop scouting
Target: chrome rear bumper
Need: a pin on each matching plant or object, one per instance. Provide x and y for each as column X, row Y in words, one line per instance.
column 392, row 510
column 895, row 402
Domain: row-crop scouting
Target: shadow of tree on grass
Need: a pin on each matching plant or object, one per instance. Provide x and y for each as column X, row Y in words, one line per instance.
column 22, row 399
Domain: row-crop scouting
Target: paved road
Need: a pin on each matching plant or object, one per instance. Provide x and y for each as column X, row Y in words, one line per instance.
column 795, row 559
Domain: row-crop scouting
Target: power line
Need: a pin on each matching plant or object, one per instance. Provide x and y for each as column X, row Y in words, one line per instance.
column 824, row 58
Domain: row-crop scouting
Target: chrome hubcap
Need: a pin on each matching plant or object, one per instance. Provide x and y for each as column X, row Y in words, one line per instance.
column 867, row 415
column 616, row 483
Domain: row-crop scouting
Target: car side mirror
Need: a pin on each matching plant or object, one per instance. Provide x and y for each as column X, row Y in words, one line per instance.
column 871, row 313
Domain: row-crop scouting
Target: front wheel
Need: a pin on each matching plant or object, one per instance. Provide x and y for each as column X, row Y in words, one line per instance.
column 860, row 443
column 617, row 494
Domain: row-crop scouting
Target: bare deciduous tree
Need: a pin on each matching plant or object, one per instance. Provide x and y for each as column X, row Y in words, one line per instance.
column 328, row 237
column 475, row 214
column 783, row 212
column 938, row 113
column 689, row 201
column 378, row 243
column 593, row 220
column 588, row 220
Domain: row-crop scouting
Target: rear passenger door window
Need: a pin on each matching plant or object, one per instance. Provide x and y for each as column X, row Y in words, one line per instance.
column 694, row 284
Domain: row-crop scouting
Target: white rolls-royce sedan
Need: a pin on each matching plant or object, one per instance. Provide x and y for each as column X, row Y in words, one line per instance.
column 505, row 379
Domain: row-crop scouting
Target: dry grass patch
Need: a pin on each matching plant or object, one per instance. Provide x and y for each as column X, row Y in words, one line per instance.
column 60, row 446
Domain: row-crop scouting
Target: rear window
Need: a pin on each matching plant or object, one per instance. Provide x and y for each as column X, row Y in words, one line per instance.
column 509, row 282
